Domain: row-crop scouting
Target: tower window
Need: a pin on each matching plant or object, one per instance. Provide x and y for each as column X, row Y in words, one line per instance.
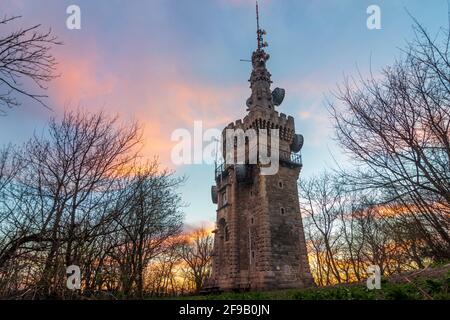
column 280, row 184
column 224, row 198
column 252, row 220
column 282, row 210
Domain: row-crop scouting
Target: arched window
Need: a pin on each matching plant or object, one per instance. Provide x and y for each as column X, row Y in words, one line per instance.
column 223, row 230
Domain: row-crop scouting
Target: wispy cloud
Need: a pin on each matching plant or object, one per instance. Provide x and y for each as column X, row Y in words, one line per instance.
column 161, row 99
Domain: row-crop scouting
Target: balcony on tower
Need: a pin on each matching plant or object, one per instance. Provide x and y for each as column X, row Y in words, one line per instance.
column 291, row 158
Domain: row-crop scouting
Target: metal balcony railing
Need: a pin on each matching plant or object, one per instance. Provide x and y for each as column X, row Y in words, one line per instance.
column 220, row 168
column 291, row 158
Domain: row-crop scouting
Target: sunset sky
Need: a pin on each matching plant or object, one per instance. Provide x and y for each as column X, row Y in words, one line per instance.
column 168, row 63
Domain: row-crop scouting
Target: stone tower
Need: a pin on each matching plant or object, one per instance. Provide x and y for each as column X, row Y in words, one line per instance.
column 259, row 243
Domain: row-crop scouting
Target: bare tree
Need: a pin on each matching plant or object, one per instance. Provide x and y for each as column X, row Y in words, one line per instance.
column 78, row 195
column 197, row 254
column 397, row 129
column 150, row 216
column 322, row 202
column 63, row 196
column 24, row 54
column 347, row 231
column 164, row 274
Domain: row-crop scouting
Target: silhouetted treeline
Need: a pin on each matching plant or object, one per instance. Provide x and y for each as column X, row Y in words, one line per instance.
column 77, row 195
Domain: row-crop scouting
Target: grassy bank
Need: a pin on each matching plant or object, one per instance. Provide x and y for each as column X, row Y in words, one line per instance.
column 430, row 284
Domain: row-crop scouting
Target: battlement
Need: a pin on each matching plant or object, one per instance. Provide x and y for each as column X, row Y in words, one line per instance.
column 238, row 124
column 266, row 120
column 275, row 119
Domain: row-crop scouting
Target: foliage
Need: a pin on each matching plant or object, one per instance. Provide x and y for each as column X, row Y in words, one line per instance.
column 421, row 288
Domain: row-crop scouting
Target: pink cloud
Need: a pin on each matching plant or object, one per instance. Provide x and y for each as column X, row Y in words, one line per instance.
column 157, row 96
column 80, row 79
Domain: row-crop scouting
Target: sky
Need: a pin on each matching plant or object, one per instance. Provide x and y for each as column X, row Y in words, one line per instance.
column 168, row 63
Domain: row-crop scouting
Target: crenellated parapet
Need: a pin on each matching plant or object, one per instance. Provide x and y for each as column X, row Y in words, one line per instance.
column 262, row 120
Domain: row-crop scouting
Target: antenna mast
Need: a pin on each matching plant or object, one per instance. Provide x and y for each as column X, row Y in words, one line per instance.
column 259, row 31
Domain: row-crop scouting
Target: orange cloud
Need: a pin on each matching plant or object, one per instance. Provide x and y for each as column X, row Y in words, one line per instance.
column 157, row 96
column 183, row 104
